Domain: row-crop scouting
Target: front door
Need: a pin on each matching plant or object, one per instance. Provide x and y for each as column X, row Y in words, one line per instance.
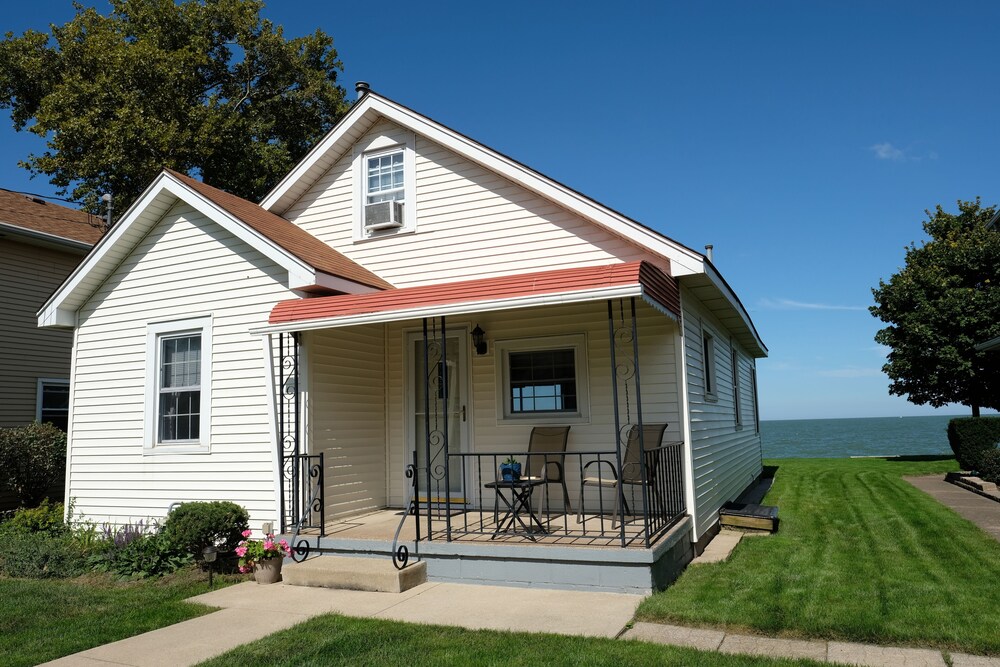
column 444, row 416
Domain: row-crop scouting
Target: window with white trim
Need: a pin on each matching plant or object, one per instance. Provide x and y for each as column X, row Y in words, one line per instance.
column 708, row 361
column 543, row 380
column 178, row 380
column 756, row 404
column 52, row 402
column 384, row 185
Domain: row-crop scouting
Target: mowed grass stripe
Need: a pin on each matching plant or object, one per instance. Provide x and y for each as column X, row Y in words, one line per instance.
column 861, row 555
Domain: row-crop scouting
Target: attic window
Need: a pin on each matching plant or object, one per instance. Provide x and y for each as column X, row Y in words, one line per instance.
column 384, row 175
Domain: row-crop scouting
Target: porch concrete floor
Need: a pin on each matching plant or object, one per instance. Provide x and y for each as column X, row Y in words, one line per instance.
column 563, row 529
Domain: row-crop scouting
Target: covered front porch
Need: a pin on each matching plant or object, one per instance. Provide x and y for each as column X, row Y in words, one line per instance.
column 397, row 411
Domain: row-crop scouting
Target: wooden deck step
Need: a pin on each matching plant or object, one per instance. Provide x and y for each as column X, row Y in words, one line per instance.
column 747, row 515
column 354, row 573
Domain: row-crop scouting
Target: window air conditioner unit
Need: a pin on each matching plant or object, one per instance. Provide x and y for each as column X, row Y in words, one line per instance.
column 383, row 215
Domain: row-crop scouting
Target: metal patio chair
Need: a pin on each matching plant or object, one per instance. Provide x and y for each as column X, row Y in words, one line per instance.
column 547, row 460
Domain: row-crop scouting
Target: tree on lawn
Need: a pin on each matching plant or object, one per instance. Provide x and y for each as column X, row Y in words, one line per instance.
column 939, row 306
column 205, row 87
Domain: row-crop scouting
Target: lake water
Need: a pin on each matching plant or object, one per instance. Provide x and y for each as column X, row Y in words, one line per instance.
column 873, row 436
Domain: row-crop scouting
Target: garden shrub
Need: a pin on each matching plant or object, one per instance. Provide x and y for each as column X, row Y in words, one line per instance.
column 39, row 554
column 196, row 525
column 137, row 550
column 989, row 466
column 46, row 518
column 33, row 459
column 969, row 437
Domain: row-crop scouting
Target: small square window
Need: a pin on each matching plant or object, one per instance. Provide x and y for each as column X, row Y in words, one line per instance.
column 543, row 379
column 53, row 403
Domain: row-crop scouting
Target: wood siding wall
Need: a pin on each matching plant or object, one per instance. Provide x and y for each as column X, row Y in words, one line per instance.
column 346, row 408
column 187, row 266
column 660, row 383
column 28, row 276
column 725, row 458
column 470, row 223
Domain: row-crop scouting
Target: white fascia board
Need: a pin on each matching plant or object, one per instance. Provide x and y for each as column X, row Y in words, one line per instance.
column 60, row 309
column 737, row 306
column 464, row 308
column 684, row 261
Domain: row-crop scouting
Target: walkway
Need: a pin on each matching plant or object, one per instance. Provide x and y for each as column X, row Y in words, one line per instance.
column 981, row 511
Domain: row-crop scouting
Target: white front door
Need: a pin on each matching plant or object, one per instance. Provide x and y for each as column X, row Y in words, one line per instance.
column 441, row 414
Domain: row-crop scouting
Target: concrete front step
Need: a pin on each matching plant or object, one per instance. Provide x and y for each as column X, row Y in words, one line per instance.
column 356, row 574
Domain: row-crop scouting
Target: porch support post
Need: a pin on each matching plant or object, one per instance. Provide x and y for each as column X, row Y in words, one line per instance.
column 287, row 401
column 638, row 418
column 427, row 433
column 620, row 490
column 445, row 405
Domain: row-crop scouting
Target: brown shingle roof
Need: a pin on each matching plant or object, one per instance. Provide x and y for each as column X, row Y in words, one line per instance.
column 19, row 210
column 286, row 234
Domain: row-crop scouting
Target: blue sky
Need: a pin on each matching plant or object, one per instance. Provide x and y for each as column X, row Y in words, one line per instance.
column 803, row 140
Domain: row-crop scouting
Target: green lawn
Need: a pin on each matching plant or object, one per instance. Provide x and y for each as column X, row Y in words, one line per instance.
column 41, row 620
column 860, row 555
column 338, row 640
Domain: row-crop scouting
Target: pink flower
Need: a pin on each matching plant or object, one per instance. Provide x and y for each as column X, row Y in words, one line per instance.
column 269, row 544
column 241, row 551
column 247, row 532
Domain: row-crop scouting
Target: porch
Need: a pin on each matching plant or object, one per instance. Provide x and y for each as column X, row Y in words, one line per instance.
column 403, row 414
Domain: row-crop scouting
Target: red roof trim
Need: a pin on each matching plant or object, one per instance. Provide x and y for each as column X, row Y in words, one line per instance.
column 655, row 282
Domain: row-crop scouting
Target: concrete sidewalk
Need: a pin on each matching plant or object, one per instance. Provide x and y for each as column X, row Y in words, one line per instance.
column 981, row 511
column 250, row 612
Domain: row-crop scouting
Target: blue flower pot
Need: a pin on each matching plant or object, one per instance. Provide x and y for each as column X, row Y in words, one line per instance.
column 510, row 472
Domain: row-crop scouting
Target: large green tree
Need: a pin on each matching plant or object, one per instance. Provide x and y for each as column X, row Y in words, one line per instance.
column 206, row 87
column 940, row 305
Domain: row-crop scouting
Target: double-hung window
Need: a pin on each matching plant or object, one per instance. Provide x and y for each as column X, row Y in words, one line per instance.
column 544, row 379
column 708, row 361
column 178, row 384
column 736, row 387
column 384, row 185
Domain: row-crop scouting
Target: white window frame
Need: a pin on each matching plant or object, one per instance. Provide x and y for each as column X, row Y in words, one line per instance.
column 156, row 332
column 40, row 391
column 375, row 146
column 576, row 342
column 710, row 375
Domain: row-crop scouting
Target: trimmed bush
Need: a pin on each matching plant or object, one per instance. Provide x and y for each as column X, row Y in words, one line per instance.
column 40, row 555
column 33, row 459
column 46, row 518
column 194, row 526
column 969, row 437
column 989, row 466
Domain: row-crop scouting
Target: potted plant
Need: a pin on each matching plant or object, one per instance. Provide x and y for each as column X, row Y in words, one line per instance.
column 263, row 557
column 510, row 470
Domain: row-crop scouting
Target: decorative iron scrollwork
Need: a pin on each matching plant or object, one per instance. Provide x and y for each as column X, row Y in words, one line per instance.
column 301, row 550
column 401, row 557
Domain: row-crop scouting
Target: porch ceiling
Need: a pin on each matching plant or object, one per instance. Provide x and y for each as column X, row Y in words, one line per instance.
column 592, row 283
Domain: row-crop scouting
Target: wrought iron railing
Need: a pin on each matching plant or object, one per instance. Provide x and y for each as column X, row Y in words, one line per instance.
column 535, row 508
column 307, row 510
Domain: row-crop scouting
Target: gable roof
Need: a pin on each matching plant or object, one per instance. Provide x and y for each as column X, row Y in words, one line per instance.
column 684, row 261
column 286, row 234
column 310, row 264
column 47, row 221
column 525, row 290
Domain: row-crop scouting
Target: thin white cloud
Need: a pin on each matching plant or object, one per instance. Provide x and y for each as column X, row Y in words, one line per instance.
column 851, row 372
column 886, row 151
column 789, row 304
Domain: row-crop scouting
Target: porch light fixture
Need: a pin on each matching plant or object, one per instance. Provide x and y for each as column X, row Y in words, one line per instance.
column 479, row 340
column 209, row 554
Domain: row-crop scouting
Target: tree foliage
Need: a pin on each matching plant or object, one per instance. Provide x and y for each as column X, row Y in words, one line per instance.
column 939, row 306
column 199, row 86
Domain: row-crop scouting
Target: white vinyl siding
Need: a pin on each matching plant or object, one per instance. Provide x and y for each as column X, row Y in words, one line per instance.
column 346, row 416
column 187, row 266
column 725, row 459
column 28, row 275
column 490, row 433
column 472, row 223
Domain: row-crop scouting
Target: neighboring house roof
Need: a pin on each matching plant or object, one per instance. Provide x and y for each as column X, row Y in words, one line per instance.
column 990, row 345
column 286, row 234
column 311, row 264
column 371, row 107
column 575, row 285
column 36, row 218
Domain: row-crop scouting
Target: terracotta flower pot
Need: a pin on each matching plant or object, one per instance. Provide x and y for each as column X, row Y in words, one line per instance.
column 268, row 571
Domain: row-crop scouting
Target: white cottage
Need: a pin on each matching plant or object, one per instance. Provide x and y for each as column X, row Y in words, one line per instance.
column 404, row 312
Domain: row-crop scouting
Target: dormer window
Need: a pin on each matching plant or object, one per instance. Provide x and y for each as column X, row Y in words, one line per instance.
column 384, row 185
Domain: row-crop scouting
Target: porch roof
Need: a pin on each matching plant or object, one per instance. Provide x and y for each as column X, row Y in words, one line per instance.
column 592, row 283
